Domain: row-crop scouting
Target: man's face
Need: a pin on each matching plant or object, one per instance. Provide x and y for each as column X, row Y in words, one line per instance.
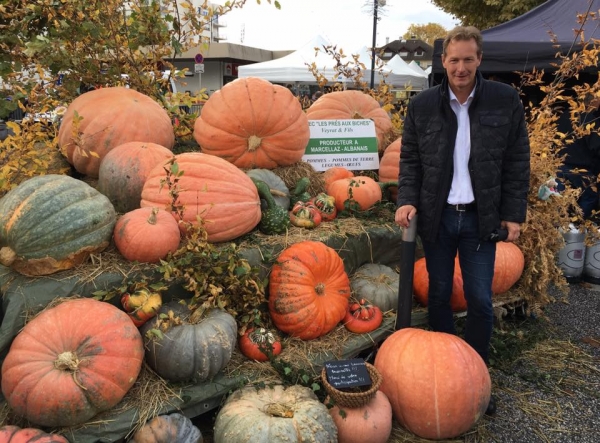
column 461, row 62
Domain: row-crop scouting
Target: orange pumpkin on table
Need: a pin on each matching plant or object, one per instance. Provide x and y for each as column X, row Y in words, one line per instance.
column 253, row 123
column 358, row 193
column 99, row 120
column 389, row 167
column 308, row 290
column 350, row 104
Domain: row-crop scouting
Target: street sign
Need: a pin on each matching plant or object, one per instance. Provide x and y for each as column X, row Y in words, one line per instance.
column 198, row 58
column 199, row 68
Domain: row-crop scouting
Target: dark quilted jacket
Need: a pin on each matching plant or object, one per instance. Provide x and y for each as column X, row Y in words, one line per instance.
column 499, row 161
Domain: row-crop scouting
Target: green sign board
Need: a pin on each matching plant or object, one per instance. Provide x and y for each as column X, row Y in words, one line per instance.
column 351, row 144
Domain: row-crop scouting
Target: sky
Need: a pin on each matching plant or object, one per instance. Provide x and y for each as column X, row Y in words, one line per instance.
column 346, row 23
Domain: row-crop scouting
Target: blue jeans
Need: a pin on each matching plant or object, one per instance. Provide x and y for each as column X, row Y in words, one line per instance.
column 459, row 231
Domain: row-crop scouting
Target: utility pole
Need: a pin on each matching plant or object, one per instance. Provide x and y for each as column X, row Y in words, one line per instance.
column 376, row 4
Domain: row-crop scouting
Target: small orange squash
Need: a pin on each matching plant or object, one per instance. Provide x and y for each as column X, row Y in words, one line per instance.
column 351, row 104
column 308, row 290
column 370, row 423
column 508, row 267
column 105, row 118
column 437, row 384
column 146, row 235
column 335, row 173
column 360, row 193
column 212, row 188
column 253, row 123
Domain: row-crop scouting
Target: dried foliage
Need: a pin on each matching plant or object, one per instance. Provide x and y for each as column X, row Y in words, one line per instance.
column 541, row 239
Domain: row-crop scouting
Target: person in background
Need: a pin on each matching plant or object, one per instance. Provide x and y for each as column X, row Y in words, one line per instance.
column 581, row 165
column 464, row 168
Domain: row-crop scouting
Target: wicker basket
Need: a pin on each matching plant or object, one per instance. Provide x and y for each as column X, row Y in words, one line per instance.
column 354, row 399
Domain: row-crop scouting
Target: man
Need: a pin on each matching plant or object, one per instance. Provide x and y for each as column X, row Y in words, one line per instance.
column 464, row 167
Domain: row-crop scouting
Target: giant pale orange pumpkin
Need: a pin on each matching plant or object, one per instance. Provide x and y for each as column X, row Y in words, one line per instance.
column 350, row 104
column 308, row 290
column 210, row 187
column 355, row 193
column 99, row 120
column 389, row 167
column 253, row 123
column 439, row 387
column 71, row 362
column 124, row 170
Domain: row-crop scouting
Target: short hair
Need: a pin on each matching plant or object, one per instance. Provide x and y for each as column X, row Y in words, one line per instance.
column 464, row 33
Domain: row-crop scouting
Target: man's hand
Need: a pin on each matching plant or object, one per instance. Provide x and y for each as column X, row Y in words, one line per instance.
column 404, row 215
column 513, row 228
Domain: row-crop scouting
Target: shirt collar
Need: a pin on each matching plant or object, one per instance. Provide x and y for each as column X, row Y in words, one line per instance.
column 469, row 98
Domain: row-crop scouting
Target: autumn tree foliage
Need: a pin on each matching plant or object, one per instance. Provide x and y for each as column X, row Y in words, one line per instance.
column 428, row 33
column 486, row 13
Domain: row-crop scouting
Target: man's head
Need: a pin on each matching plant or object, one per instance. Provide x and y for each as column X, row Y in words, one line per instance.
column 461, row 57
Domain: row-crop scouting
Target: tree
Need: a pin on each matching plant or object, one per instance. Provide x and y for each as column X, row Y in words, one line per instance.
column 428, row 33
column 486, row 13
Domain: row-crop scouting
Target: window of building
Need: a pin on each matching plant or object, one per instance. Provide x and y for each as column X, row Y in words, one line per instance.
column 419, row 53
column 403, row 53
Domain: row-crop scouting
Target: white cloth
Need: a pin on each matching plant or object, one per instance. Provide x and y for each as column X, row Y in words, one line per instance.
column 461, row 190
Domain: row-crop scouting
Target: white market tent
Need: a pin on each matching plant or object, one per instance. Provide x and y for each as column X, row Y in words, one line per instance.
column 294, row 67
column 401, row 74
column 415, row 67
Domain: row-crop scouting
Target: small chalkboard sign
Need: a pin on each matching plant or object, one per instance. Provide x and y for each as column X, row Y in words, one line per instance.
column 347, row 373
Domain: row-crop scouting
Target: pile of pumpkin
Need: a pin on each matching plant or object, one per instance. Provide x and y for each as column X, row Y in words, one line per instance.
column 60, row 370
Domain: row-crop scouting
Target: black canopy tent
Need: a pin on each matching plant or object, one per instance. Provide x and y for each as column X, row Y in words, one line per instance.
column 526, row 41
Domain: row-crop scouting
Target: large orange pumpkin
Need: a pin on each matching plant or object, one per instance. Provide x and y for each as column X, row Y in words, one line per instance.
column 389, row 166
column 308, row 290
column 421, row 285
column 124, row 170
column 508, row 267
column 216, row 190
column 370, row 423
column 360, row 193
column 350, row 104
column 439, row 387
column 72, row 362
column 253, row 123
column 104, row 118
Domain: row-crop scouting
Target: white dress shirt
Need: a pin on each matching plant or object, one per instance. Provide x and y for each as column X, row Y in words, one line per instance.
column 461, row 190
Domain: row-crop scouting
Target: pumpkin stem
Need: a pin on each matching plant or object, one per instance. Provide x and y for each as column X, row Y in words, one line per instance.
column 67, row 361
column 279, row 410
column 320, row 289
column 7, row 256
column 152, row 218
column 253, row 143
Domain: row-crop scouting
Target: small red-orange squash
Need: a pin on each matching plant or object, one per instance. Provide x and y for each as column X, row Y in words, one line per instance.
column 351, row 104
column 439, row 387
column 105, row 118
column 253, row 123
column 212, row 188
column 14, row 434
column 124, row 170
column 389, row 166
column 308, row 290
column 71, row 362
column 361, row 193
column 146, row 235
column 371, row 423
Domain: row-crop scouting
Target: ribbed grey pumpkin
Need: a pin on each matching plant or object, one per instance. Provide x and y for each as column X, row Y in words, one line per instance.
column 50, row 223
column 190, row 351
column 279, row 190
column 274, row 414
column 378, row 284
column 172, row 428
